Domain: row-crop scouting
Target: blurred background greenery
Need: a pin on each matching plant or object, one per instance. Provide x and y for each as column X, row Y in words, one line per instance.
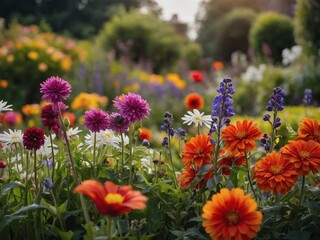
column 109, row 47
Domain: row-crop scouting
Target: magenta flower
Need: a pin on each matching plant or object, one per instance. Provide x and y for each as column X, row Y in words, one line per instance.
column 49, row 117
column 96, row 120
column 55, row 89
column 132, row 107
column 118, row 123
column 33, row 138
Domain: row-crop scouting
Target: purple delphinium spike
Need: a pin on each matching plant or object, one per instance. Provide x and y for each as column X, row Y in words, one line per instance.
column 307, row 96
column 222, row 106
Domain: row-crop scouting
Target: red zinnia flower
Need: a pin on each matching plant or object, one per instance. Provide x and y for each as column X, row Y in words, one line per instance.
column 196, row 76
column 309, row 129
column 193, row 101
column 198, row 151
column 3, row 164
column 189, row 174
column 274, row 173
column 305, row 156
column 230, row 160
column 241, row 137
column 33, row 138
column 145, row 133
column 231, row 215
column 110, row 199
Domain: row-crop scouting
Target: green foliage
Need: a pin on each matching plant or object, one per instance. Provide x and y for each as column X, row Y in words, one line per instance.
column 233, row 32
column 209, row 23
column 142, row 38
column 270, row 34
column 307, row 26
column 191, row 53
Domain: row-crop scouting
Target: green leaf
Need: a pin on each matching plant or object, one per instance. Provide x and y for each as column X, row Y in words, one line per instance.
column 291, row 131
column 204, row 169
column 7, row 187
column 296, row 235
column 63, row 235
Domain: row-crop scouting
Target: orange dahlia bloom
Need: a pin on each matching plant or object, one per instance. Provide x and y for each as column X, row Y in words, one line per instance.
column 304, row 155
column 111, row 199
column 229, row 160
column 241, row 136
column 197, row 151
column 217, row 65
column 145, row 133
column 193, row 101
column 309, row 129
column 189, row 174
column 231, row 215
column 274, row 173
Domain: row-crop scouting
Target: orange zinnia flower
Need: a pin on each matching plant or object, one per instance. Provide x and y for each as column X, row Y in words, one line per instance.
column 217, row 65
column 145, row 133
column 231, row 215
column 230, row 160
column 274, row 173
column 189, row 174
column 193, row 101
column 197, row 151
column 309, row 129
column 241, row 137
column 111, row 199
column 304, row 155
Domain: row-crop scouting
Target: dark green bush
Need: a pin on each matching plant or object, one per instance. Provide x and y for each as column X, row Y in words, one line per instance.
column 233, row 32
column 191, row 53
column 274, row 31
column 142, row 38
column 307, row 26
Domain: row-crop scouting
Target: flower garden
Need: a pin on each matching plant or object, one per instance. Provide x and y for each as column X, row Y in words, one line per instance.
column 97, row 146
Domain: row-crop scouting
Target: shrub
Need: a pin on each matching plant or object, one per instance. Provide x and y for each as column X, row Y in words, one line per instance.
column 143, row 38
column 307, row 24
column 191, row 54
column 233, row 32
column 270, row 34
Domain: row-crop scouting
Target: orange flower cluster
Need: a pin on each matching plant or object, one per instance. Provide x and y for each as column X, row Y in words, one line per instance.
column 197, row 153
column 231, row 215
column 230, row 159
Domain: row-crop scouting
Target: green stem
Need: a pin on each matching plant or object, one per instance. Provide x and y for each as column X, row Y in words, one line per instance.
column 26, row 192
column 59, row 215
column 217, row 149
column 131, row 135
column 94, row 154
column 248, row 176
column 171, row 161
column 109, row 227
column 122, row 157
column 53, row 160
column 35, row 170
column 300, row 200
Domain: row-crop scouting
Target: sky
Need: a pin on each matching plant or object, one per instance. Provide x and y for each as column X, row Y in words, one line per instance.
column 186, row 10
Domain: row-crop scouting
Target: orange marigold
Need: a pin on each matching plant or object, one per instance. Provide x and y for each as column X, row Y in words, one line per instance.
column 111, row 199
column 197, row 151
column 274, row 173
column 189, row 174
column 309, row 129
column 230, row 159
column 241, row 136
column 145, row 133
column 305, row 155
column 193, row 101
column 231, row 215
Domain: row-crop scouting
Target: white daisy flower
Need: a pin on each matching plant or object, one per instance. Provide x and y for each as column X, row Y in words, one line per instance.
column 45, row 149
column 4, row 107
column 197, row 118
column 73, row 133
column 106, row 137
column 11, row 137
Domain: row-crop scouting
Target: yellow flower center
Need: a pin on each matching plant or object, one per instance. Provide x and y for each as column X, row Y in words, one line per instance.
column 14, row 137
column 241, row 134
column 108, row 135
column 113, row 198
column 304, row 154
column 197, row 118
column 232, row 218
column 276, row 169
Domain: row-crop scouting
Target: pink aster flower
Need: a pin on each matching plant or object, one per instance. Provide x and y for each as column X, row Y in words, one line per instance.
column 118, row 123
column 96, row 120
column 55, row 89
column 132, row 107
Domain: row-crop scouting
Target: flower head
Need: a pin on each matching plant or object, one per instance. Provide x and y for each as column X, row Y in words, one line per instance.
column 110, row 199
column 274, row 173
column 49, row 117
column 118, row 123
column 4, row 107
column 198, row 151
column 55, row 89
column 11, row 137
column 229, row 160
column 96, row 120
column 309, row 129
column 145, row 133
column 231, row 215
column 305, row 156
column 196, row 76
column 189, row 174
column 241, row 136
column 275, row 103
column 132, row 107
column 3, row 164
column 217, row 65
column 307, row 98
column 33, row 138
column 193, row 101
column 197, row 118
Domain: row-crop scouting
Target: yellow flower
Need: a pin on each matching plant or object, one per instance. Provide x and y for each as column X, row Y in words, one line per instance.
column 66, row 63
column 42, row 67
column 31, row 109
column 10, row 58
column 86, row 101
column 176, row 80
column 132, row 88
column 157, row 79
column 3, row 83
column 33, row 55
